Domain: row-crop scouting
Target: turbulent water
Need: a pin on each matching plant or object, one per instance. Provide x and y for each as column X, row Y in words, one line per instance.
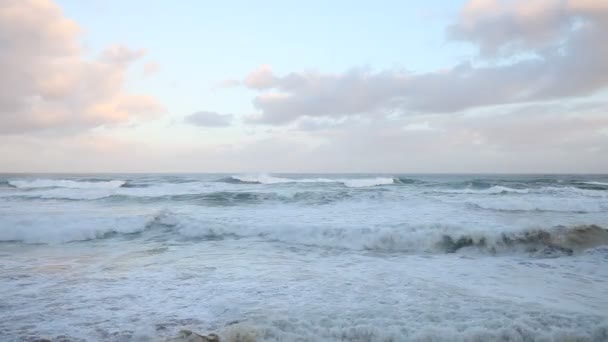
column 304, row 257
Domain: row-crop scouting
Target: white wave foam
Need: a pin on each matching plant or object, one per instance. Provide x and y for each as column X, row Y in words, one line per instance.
column 568, row 191
column 72, row 225
column 497, row 189
column 349, row 182
column 70, row 193
column 95, row 190
column 65, row 183
column 540, row 203
column 571, row 190
column 265, row 179
column 595, row 183
column 366, row 328
column 54, row 227
column 365, row 182
column 430, row 238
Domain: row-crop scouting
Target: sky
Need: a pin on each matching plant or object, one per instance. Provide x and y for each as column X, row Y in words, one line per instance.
column 441, row 86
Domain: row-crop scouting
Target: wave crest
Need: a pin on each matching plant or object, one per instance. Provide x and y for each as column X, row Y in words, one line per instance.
column 562, row 240
column 552, row 241
column 543, row 242
column 351, row 183
column 496, row 189
column 66, row 183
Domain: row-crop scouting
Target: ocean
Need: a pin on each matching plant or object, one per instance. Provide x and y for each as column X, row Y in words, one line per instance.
column 302, row 257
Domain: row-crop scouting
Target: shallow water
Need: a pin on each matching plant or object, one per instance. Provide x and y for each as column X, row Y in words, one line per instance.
column 304, row 257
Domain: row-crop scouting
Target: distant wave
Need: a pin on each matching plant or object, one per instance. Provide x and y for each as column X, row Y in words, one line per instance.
column 65, row 183
column 504, row 190
column 228, row 191
column 212, row 198
column 474, row 186
column 236, row 180
column 403, row 180
column 351, row 183
column 134, row 185
column 569, row 200
column 228, row 198
column 596, row 183
column 496, row 189
column 219, row 198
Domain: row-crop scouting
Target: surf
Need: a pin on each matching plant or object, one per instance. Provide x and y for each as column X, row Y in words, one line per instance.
column 66, row 183
column 348, row 182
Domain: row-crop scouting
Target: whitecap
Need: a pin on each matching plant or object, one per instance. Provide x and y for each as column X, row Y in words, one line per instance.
column 66, row 183
column 348, row 182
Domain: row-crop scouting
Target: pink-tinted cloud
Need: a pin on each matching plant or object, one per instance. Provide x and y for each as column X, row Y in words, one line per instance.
column 261, row 78
column 119, row 54
column 501, row 27
column 538, row 138
column 151, row 68
column 47, row 83
column 565, row 56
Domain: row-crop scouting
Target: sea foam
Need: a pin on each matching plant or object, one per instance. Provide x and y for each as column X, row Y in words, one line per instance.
column 349, row 182
column 66, row 183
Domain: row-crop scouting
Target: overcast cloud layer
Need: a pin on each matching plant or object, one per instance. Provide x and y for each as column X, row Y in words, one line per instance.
column 209, row 119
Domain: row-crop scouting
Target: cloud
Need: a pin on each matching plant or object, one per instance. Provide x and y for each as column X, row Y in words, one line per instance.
column 122, row 55
column 560, row 53
column 496, row 25
column 522, row 138
column 518, row 138
column 315, row 94
column 261, row 78
column 418, row 126
column 539, row 127
column 47, row 84
column 507, row 27
column 209, row 119
column 318, row 124
column 151, row 68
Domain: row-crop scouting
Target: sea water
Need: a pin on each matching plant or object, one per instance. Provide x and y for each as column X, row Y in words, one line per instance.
column 256, row 257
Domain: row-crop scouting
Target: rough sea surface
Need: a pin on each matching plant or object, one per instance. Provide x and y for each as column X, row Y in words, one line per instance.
column 304, row 257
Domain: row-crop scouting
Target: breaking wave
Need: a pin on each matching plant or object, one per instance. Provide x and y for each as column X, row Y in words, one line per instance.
column 592, row 185
column 543, row 242
column 351, row 183
column 538, row 204
column 555, row 241
column 66, row 183
column 496, row 189
column 517, row 185
column 596, row 183
column 213, row 198
column 68, row 227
